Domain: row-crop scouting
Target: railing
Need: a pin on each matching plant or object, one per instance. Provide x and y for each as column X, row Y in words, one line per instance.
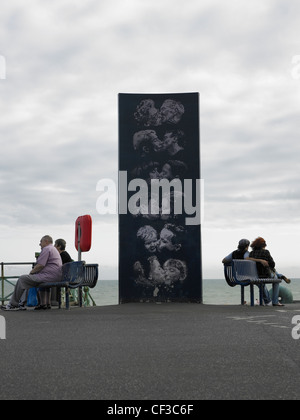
column 6, row 279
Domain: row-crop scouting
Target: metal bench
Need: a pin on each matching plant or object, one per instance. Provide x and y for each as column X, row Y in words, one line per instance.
column 75, row 275
column 244, row 273
column 91, row 274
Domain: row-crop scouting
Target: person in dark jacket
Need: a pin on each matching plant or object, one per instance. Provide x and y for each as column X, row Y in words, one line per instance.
column 259, row 251
column 242, row 253
column 60, row 245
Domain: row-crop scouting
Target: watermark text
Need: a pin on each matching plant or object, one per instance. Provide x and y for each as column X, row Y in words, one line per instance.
column 2, row 328
column 156, row 199
column 296, row 329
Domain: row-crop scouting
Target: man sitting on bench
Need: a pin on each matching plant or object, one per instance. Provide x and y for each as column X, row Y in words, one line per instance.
column 48, row 268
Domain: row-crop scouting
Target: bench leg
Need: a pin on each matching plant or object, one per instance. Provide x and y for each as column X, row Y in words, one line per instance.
column 80, row 296
column 59, row 297
column 261, row 294
column 242, row 295
column 67, row 298
column 252, row 294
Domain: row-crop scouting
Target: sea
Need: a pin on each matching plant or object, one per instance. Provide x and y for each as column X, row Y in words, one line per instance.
column 215, row 292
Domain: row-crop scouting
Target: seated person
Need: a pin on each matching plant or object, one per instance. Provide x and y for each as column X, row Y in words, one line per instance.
column 267, row 270
column 60, row 245
column 242, row 253
column 48, row 268
column 44, row 295
column 259, row 251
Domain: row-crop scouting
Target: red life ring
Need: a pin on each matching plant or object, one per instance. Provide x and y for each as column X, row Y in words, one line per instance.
column 85, row 223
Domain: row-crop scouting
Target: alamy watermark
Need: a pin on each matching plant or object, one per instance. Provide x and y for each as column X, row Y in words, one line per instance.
column 296, row 67
column 158, row 198
column 296, row 329
column 2, row 328
column 2, row 67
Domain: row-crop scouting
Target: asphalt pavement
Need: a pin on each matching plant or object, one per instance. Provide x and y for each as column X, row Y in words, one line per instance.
column 152, row 352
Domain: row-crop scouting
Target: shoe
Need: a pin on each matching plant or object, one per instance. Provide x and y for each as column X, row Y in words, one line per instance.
column 288, row 281
column 278, row 304
column 40, row 308
column 22, row 308
column 9, row 307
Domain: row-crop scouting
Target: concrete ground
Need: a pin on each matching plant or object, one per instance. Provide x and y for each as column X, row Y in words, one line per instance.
column 151, row 352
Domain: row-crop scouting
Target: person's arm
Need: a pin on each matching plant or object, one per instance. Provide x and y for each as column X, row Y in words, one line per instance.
column 271, row 261
column 227, row 259
column 41, row 261
column 263, row 262
column 37, row 269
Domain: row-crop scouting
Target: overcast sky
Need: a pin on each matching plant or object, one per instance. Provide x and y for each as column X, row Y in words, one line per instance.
column 65, row 63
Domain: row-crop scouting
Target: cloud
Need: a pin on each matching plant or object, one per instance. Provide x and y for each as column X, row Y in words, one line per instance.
column 67, row 61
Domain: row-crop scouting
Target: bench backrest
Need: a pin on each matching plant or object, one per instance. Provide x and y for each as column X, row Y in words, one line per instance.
column 73, row 272
column 91, row 273
column 245, row 270
column 240, row 272
column 229, row 275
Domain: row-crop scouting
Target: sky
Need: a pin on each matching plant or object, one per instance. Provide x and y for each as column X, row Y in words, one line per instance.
column 62, row 65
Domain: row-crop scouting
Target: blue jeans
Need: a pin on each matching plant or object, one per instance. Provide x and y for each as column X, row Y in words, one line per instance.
column 275, row 297
column 275, row 287
column 266, row 295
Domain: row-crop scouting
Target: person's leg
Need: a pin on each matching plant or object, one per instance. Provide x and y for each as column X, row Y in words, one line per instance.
column 283, row 277
column 24, row 297
column 48, row 298
column 43, row 297
column 276, row 288
column 24, row 283
column 275, row 297
column 266, row 295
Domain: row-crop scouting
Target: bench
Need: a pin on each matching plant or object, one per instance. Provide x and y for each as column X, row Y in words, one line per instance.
column 244, row 273
column 75, row 275
column 91, row 274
